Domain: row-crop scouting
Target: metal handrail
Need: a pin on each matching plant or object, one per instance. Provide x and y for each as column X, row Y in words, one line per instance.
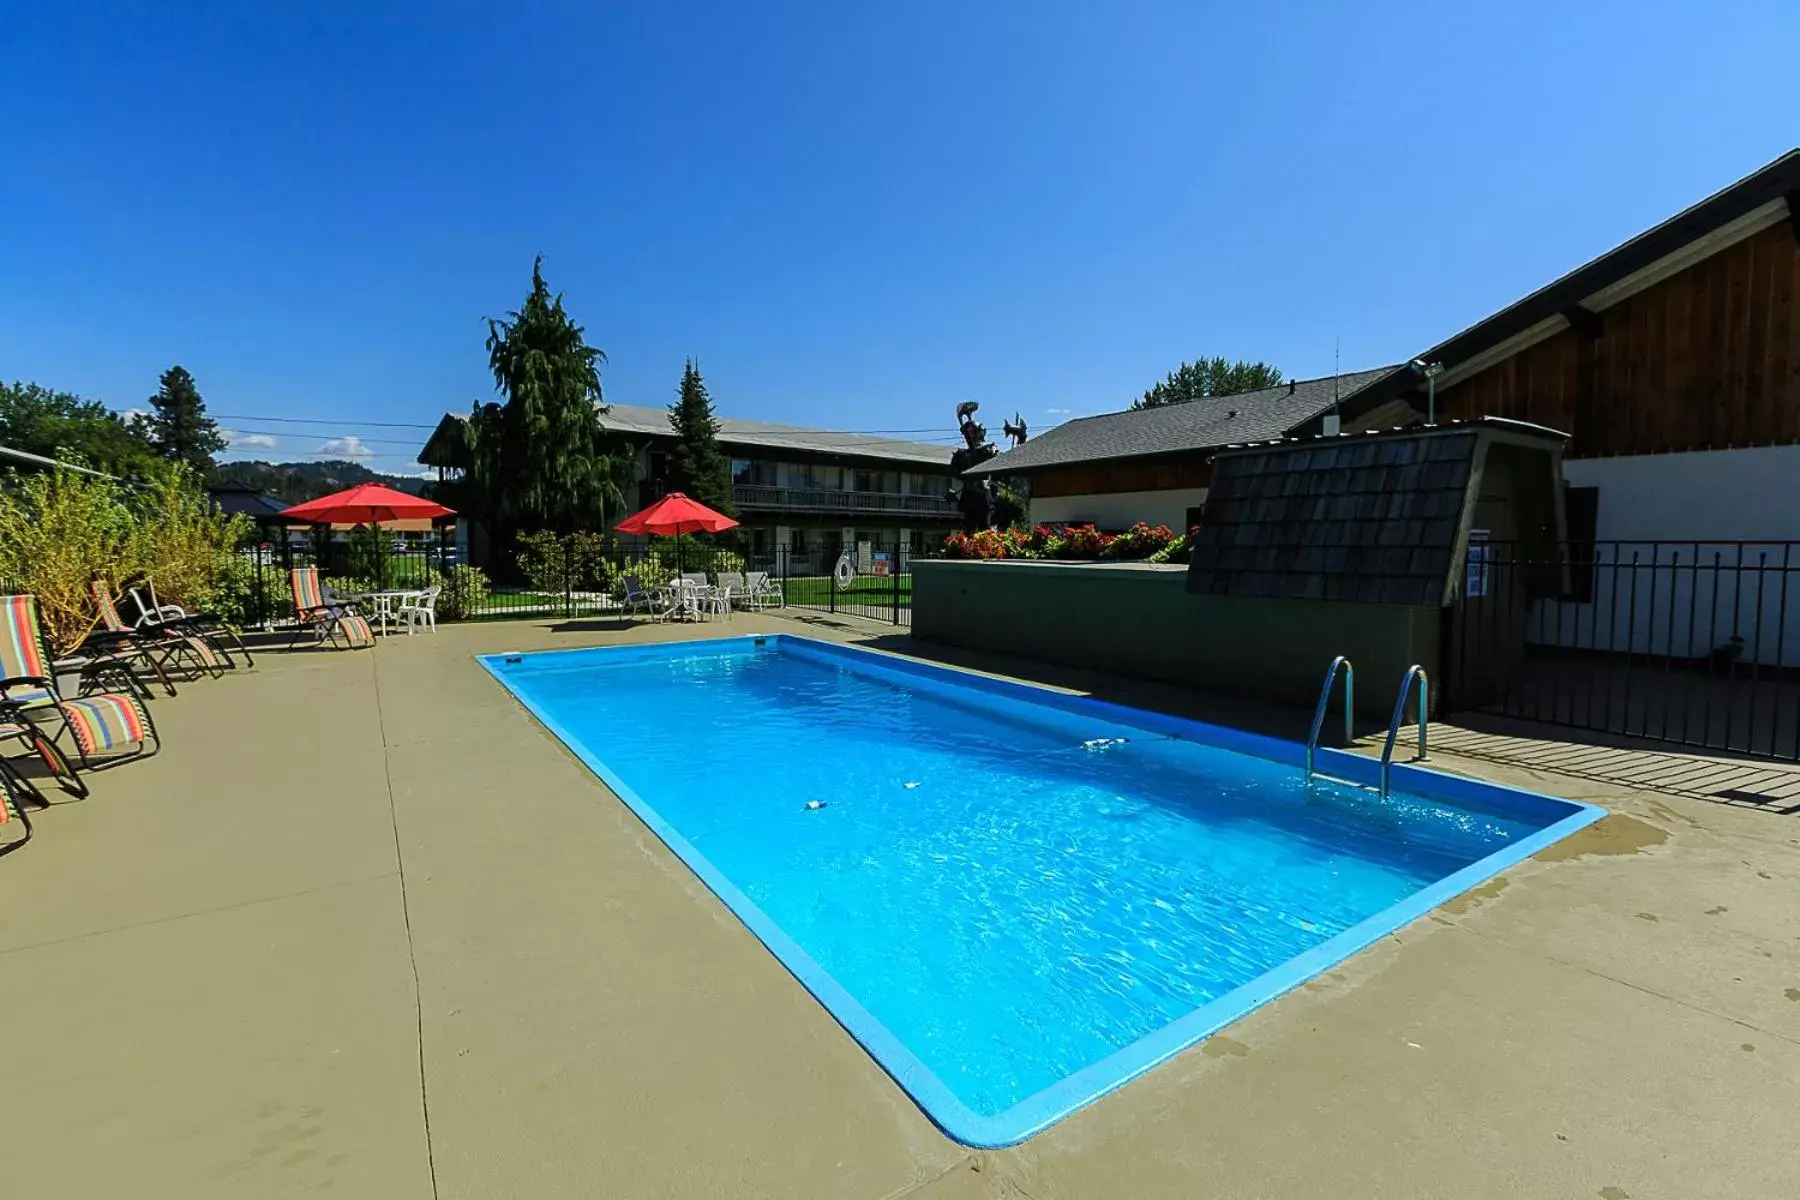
column 1406, row 681
column 1331, row 674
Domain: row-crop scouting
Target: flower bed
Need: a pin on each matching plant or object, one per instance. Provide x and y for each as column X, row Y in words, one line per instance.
column 1140, row 543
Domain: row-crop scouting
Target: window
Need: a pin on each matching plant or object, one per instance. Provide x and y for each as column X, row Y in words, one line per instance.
column 797, row 541
column 659, row 464
column 742, row 471
column 865, row 480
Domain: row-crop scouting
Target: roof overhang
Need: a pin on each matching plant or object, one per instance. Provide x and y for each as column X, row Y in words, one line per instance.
column 1580, row 298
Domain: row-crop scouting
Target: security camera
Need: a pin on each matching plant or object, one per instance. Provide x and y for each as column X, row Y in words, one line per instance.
column 1428, row 370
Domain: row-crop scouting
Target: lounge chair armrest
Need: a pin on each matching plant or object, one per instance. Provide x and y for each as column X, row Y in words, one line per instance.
column 35, row 681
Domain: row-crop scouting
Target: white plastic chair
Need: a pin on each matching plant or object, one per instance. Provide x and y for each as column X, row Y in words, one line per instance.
column 760, row 591
column 420, row 608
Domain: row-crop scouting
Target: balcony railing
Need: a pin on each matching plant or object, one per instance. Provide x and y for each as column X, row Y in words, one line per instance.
column 831, row 500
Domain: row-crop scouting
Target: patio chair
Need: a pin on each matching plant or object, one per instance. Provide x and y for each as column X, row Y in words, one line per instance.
column 639, row 599
column 211, row 626
column 154, row 646
column 105, row 728
column 760, row 591
column 337, row 622
column 730, row 590
column 420, row 609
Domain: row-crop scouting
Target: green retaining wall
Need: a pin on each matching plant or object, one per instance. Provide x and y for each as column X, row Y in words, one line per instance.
column 1139, row 621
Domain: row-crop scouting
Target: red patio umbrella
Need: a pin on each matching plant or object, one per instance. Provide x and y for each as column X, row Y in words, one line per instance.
column 366, row 504
column 675, row 515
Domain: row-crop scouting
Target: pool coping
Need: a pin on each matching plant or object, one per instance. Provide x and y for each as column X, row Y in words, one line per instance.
column 1044, row 1108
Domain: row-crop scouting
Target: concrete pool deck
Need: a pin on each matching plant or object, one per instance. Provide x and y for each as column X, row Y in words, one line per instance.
column 364, row 928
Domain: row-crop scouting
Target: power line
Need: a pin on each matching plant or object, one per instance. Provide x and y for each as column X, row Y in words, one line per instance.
column 937, row 430
column 323, row 421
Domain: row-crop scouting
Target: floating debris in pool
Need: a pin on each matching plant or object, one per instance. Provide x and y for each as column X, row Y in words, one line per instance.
column 513, row 658
column 910, row 784
column 812, row 804
column 1104, row 743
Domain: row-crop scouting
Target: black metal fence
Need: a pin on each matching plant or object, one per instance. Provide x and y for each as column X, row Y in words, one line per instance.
column 587, row 575
column 1690, row 643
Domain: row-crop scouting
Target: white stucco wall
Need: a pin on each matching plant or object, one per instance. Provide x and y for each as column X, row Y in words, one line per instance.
column 1119, row 510
column 1734, row 577
column 1738, row 495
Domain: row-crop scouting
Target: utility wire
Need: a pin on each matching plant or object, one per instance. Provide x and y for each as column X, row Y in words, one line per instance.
column 937, row 430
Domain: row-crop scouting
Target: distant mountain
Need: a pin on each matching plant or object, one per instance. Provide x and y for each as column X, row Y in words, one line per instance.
column 298, row 482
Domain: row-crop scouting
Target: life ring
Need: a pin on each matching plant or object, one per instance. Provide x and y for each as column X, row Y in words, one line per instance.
column 844, row 574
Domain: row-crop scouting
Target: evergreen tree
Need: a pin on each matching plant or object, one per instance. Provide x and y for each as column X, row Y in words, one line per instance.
column 696, row 465
column 542, row 457
column 178, row 425
column 1209, row 377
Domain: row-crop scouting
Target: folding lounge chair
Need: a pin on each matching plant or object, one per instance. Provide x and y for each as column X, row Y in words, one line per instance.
column 104, row 728
column 157, row 647
column 210, row 626
column 337, row 623
column 763, row 591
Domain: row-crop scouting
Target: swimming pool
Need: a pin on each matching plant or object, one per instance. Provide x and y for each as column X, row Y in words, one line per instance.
column 1015, row 899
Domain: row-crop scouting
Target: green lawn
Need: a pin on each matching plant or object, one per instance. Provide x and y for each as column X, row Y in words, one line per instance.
column 865, row 593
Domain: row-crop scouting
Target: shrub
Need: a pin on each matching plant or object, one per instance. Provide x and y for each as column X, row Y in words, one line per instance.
column 182, row 541
column 464, row 590
column 1084, row 541
column 1178, row 551
column 1140, row 541
column 57, row 532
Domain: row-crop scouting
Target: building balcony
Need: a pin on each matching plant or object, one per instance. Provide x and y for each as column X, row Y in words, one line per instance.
column 753, row 497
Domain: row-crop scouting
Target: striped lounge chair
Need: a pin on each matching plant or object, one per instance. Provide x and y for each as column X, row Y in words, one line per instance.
column 157, row 650
column 337, row 623
column 103, row 728
column 16, row 791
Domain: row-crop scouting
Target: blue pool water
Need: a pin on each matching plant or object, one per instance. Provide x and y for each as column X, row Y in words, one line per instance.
column 1015, row 899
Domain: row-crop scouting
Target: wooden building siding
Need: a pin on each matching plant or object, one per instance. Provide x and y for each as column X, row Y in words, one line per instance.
column 1706, row 359
column 1156, row 473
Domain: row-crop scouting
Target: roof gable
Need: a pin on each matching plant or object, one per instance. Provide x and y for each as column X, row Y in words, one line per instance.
column 1204, row 424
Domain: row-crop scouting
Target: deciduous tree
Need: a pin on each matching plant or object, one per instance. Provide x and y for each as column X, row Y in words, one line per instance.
column 1209, row 377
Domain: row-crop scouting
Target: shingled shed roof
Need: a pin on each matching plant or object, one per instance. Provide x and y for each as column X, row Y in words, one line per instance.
column 1191, row 425
column 1375, row 517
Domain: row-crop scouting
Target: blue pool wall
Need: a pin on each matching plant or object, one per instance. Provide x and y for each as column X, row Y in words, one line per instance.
column 1032, row 1115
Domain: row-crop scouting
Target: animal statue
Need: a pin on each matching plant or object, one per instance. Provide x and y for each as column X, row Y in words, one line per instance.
column 973, row 497
column 1015, row 429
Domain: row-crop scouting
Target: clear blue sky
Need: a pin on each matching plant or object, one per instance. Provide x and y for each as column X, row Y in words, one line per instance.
column 854, row 215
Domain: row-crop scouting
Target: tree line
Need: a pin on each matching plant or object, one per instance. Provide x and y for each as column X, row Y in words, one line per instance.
column 67, row 427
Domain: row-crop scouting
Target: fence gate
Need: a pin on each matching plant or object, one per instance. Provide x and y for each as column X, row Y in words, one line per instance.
column 1680, row 642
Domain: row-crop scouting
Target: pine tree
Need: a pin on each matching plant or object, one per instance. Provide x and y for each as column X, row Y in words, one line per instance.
column 696, row 465
column 177, row 424
column 543, row 456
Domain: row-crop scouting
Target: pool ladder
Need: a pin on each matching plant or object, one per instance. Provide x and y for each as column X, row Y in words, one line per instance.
column 1414, row 672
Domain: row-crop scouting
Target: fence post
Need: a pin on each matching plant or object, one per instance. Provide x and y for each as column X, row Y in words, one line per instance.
column 831, row 587
column 568, row 549
column 894, row 566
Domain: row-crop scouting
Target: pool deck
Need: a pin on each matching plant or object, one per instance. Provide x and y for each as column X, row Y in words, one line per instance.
column 364, row 929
